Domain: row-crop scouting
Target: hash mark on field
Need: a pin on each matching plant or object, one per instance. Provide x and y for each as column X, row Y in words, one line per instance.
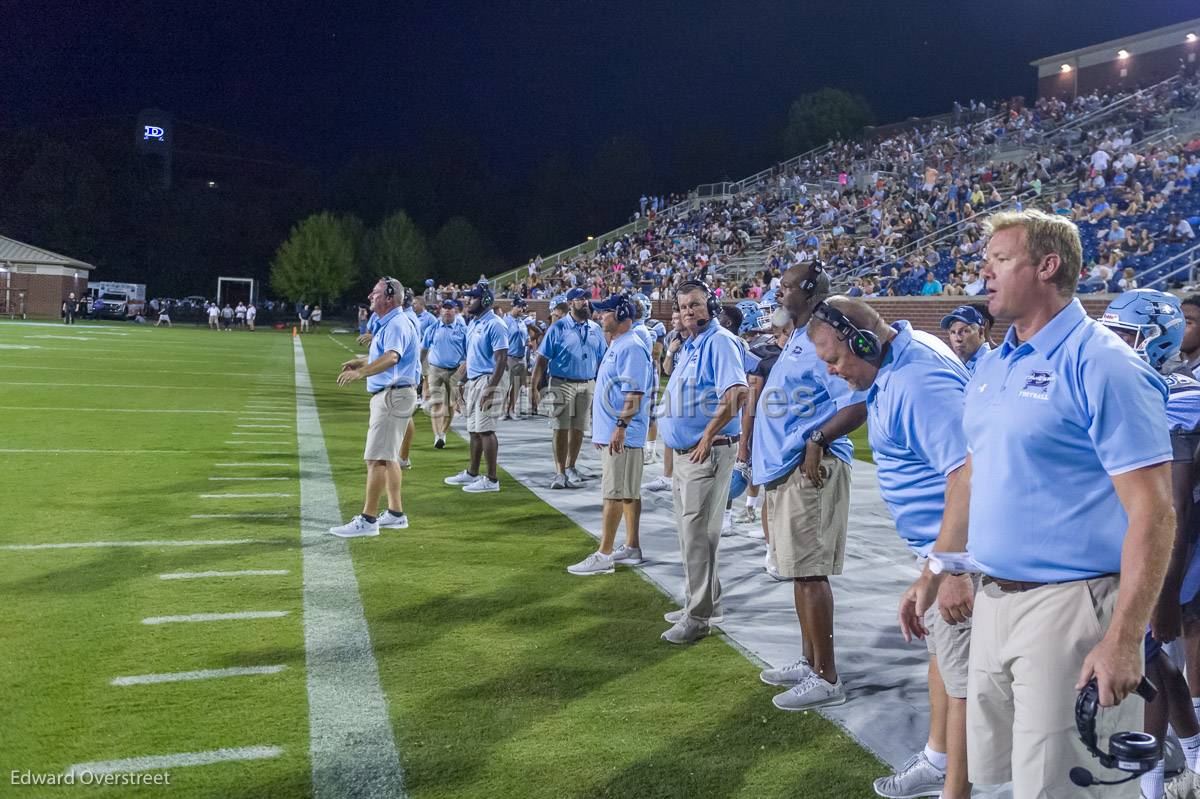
column 207, row 575
column 248, row 479
column 209, row 542
column 275, row 426
column 156, row 762
column 205, row 674
column 242, row 496
column 203, row 617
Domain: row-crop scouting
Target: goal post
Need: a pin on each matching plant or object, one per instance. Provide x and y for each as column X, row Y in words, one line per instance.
column 237, row 289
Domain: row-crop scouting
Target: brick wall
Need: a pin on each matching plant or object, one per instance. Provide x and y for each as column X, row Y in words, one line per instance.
column 44, row 294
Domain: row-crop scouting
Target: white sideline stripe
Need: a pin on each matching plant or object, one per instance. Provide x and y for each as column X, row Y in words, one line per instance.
column 247, row 479
column 243, row 496
column 233, row 465
column 277, row 426
column 203, row 542
column 202, row 617
column 113, row 385
column 113, row 410
column 205, row 674
column 156, row 762
column 207, row 575
column 240, row 515
column 188, row 452
column 347, row 710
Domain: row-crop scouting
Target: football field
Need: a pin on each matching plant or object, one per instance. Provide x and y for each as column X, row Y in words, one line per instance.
column 174, row 608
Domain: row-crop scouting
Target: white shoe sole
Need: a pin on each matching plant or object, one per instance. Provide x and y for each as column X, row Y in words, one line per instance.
column 452, row 481
column 470, row 490
column 833, row 701
column 353, row 535
column 403, row 526
column 629, row 561
column 784, row 683
column 712, row 622
column 590, row 573
column 917, row 795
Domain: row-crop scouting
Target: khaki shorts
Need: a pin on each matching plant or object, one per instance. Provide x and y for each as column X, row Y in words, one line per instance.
column 517, row 369
column 479, row 419
column 391, row 412
column 808, row 524
column 951, row 645
column 621, row 474
column 568, row 404
column 1026, row 652
column 442, row 384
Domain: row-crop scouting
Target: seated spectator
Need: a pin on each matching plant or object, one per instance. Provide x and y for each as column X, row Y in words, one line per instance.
column 932, row 287
column 1178, row 229
column 1128, row 281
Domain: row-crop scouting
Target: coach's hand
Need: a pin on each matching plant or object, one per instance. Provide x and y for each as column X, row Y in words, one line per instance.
column 535, row 398
column 617, row 443
column 1166, row 622
column 956, row 598
column 919, row 597
column 1116, row 666
column 699, row 453
column 356, row 363
column 364, row 339
column 348, row 376
column 811, row 467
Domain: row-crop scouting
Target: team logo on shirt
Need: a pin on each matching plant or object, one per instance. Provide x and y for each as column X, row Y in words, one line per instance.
column 1037, row 385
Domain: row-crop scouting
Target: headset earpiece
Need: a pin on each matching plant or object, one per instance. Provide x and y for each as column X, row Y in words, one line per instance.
column 863, row 343
column 710, row 299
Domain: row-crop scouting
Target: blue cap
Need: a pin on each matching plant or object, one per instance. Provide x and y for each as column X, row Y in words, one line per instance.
column 477, row 291
column 614, row 302
column 965, row 314
column 449, row 304
column 518, row 303
column 428, row 281
column 578, row 294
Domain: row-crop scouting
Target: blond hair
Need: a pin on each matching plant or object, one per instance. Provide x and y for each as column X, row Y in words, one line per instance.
column 1045, row 234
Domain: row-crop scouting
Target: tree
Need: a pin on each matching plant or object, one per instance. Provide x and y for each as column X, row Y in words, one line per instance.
column 819, row 116
column 316, row 263
column 397, row 248
column 460, row 250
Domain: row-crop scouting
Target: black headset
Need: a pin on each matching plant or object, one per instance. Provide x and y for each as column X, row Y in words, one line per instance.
column 624, row 310
column 1132, row 752
column 817, row 281
column 710, row 299
column 486, row 298
column 389, row 286
column 863, row 343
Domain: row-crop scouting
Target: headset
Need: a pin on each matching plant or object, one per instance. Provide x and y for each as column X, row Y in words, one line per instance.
column 486, row 298
column 626, row 310
column 863, row 343
column 817, row 282
column 1131, row 752
column 389, row 286
column 710, row 299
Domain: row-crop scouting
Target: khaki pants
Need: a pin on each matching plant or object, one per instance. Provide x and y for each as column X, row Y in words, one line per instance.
column 700, row 491
column 951, row 645
column 390, row 412
column 441, row 390
column 1026, row 652
column 808, row 524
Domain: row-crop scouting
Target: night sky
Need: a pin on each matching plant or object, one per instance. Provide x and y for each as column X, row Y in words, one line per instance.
column 325, row 81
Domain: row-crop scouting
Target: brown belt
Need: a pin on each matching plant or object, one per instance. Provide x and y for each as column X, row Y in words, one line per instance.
column 719, row 441
column 1020, row 586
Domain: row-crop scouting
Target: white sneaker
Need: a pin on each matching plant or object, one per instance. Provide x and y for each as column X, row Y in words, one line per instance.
column 573, row 476
column 392, row 521
column 789, row 675
column 659, row 483
column 595, row 563
column 687, row 631
column 461, row 479
column 355, row 528
column 627, row 555
column 814, row 692
column 482, row 485
column 727, row 523
column 676, row 616
column 405, row 463
column 559, row 481
column 917, row 777
column 748, row 515
column 649, row 455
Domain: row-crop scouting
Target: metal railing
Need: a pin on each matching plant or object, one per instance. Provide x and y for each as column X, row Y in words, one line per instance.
column 1192, row 256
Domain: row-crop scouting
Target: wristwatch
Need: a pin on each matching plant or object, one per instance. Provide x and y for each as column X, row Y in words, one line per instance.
column 818, row 438
column 622, row 423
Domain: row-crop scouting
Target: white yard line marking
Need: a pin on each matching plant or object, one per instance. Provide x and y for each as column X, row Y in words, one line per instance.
column 158, row 762
column 246, row 479
column 255, row 435
column 188, row 452
column 239, row 515
column 204, row 674
column 112, row 410
column 193, row 618
column 277, row 426
column 245, row 442
column 343, row 346
column 207, row 575
column 242, row 496
column 347, row 710
column 202, row 542
column 233, row 465
column 124, row 386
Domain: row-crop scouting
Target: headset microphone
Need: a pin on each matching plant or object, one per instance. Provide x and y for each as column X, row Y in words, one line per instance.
column 1083, row 778
column 1132, row 752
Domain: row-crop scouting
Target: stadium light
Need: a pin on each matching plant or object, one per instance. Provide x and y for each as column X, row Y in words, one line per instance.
column 1191, row 37
column 212, row 184
column 1122, row 54
column 1065, row 68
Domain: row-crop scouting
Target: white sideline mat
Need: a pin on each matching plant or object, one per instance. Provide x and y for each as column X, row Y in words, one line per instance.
column 887, row 710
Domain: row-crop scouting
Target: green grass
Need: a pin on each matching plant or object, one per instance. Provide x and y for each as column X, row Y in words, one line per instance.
column 505, row 676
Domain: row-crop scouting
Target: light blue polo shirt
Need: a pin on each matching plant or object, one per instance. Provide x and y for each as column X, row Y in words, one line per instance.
column 1049, row 421
column 914, row 427
column 447, row 344
column 645, row 334
column 799, row 396
column 706, row 366
column 485, row 335
column 973, row 361
column 395, row 332
column 624, row 369
column 425, row 320
column 573, row 350
column 518, row 337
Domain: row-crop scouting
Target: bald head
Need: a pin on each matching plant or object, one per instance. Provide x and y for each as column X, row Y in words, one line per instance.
column 832, row 347
column 860, row 314
column 800, row 288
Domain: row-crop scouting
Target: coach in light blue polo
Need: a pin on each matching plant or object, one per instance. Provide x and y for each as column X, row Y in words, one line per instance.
column 573, row 347
column 624, row 369
column 965, row 327
column 447, row 343
column 394, row 331
column 486, row 334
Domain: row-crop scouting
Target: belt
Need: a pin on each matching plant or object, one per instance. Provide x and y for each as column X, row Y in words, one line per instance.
column 1020, row 586
column 571, row 379
column 389, row 388
column 719, row 441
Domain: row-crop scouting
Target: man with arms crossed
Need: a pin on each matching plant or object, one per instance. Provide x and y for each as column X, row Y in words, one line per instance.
column 701, row 420
column 1065, row 496
column 620, row 414
column 804, row 413
column 486, row 384
column 389, row 371
column 914, row 386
